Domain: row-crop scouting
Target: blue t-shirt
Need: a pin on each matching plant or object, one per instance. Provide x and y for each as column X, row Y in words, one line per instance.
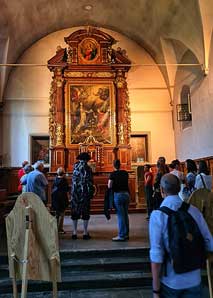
column 37, row 182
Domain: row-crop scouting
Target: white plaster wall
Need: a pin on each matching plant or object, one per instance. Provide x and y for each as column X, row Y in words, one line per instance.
column 196, row 141
column 26, row 109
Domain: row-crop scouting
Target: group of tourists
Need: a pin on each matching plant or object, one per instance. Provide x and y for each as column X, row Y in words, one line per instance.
column 197, row 177
column 32, row 179
column 179, row 239
column 179, row 235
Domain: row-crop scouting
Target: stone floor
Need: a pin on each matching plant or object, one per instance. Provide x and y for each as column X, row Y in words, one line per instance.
column 102, row 231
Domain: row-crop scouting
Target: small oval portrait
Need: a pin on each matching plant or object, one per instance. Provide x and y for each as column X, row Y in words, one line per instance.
column 88, row 49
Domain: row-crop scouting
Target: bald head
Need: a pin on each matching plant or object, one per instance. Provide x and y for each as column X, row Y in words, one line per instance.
column 170, row 184
column 39, row 166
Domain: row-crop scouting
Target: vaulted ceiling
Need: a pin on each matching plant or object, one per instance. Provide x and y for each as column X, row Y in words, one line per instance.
column 157, row 25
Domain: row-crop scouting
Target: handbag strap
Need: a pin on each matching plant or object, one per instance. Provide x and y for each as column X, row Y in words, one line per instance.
column 204, row 184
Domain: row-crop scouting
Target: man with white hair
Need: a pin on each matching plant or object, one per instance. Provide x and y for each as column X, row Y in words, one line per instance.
column 36, row 181
column 170, row 283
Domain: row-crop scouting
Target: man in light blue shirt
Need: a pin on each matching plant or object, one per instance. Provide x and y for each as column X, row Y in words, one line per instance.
column 172, row 284
column 36, row 181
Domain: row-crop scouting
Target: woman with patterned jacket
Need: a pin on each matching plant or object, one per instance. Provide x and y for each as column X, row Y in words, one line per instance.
column 82, row 191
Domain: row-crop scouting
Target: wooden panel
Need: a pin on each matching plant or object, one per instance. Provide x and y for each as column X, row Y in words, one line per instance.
column 110, row 157
column 59, row 157
column 9, row 179
column 123, row 157
column 100, row 182
column 3, row 194
column 72, row 155
column 211, row 166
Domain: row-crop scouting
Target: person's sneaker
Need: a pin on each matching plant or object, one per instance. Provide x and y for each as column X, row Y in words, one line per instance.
column 86, row 237
column 74, row 237
column 117, row 238
column 61, row 232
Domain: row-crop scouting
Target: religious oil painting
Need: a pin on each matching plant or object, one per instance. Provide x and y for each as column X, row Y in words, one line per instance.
column 40, row 149
column 91, row 113
column 88, row 49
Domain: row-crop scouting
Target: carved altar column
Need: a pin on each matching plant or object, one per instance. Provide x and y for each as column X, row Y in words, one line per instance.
column 59, row 113
column 123, row 120
column 57, row 137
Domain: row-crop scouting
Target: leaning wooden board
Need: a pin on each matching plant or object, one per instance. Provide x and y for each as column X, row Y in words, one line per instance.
column 43, row 239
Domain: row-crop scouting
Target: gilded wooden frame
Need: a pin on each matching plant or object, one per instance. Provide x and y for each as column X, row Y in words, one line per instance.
column 90, row 111
column 88, row 51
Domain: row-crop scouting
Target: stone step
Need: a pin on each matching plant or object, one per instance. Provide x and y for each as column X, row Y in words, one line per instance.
column 93, row 269
column 92, row 280
column 82, row 269
column 87, row 265
column 125, row 252
column 86, row 280
column 105, row 264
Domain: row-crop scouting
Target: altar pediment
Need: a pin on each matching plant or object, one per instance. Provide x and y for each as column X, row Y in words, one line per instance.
column 89, row 46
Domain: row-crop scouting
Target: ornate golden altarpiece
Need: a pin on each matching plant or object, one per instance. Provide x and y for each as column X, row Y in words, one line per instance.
column 89, row 104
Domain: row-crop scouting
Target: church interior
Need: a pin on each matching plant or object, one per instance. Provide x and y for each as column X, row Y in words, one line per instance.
column 129, row 80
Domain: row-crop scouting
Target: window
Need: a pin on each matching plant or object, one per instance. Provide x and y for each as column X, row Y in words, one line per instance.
column 184, row 108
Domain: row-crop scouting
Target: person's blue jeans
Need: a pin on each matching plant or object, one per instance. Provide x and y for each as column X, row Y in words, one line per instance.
column 121, row 200
column 194, row 292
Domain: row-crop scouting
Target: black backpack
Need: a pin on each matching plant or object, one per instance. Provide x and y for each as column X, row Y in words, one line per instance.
column 186, row 243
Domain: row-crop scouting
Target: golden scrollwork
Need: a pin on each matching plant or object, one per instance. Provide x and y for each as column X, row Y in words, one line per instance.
column 94, row 147
column 58, row 48
column 59, row 83
column 127, row 116
column 58, row 71
column 121, row 133
column 78, row 74
column 52, row 112
column 120, row 81
column 103, row 74
column 59, row 134
column 69, row 54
